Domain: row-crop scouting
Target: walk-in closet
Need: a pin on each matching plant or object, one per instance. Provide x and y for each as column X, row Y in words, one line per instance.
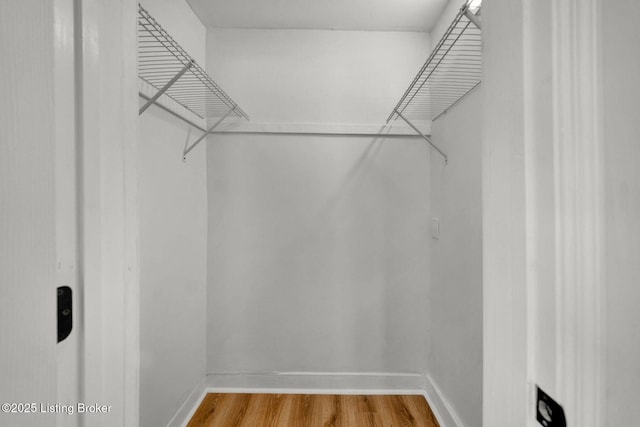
column 296, row 213
column 312, row 208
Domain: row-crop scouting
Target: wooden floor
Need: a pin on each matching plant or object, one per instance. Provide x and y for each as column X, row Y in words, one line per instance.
column 311, row 410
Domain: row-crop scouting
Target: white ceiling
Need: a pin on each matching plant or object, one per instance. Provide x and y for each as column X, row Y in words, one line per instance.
column 377, row 15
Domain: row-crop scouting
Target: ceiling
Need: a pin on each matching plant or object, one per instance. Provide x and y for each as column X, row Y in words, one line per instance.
column 373, row 15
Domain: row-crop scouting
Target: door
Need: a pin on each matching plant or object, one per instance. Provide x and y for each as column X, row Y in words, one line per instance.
column 68, row 212
column 28, row 277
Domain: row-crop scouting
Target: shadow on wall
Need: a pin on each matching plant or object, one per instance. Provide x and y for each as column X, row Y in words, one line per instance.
column 318, row 253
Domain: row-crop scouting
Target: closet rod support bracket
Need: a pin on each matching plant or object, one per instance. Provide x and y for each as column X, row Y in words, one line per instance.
column 165, row 88
column 207, row 133
column 472, row 16
column 425, row 137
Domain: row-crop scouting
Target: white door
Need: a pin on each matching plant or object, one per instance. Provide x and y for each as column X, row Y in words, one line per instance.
column 67, row 212
column 28, row 273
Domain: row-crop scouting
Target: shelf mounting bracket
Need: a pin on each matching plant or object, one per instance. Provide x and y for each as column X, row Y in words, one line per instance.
column 165, row 87
column 472, row 16
column 207, row 133
column 426, row 138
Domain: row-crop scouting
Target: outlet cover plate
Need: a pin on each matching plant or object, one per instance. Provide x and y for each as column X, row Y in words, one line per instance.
column 435, row 228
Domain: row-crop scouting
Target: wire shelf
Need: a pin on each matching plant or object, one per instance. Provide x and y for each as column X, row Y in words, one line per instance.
column 452, row 70
column 165, row 65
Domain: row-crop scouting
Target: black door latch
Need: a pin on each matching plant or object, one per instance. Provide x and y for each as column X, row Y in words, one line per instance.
column 548, row 412
column 65, row 312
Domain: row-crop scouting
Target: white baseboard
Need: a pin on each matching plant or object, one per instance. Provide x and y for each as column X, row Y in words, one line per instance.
column 319, row 383
column 189, row 406
column 315, row 383
column 442, row 409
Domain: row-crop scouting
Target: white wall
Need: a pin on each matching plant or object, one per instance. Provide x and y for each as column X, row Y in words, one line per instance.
column 455, row 300
column 173, row 210
column 173, row 244
column 449, row 12
column 622, row 156
column 318, row 245
column 318, row 254
column 314, row 76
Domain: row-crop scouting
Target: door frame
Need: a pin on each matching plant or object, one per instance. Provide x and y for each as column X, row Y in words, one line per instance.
column 107, row 205
column 511, row 310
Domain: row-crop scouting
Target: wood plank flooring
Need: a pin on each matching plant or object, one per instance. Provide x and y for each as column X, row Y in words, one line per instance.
column 312, row 410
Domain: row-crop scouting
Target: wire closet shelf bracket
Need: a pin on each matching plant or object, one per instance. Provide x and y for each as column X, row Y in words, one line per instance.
column 453, row 69
column 167, row 68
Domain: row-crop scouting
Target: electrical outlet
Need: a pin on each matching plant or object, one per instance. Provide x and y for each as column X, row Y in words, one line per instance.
column 548, row 412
